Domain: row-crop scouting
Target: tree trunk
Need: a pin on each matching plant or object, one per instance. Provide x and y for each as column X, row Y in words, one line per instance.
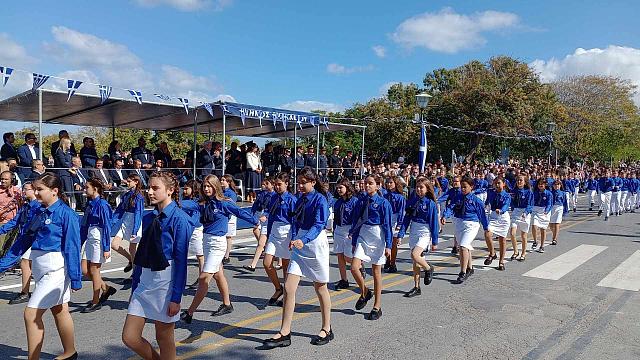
column 476, row 142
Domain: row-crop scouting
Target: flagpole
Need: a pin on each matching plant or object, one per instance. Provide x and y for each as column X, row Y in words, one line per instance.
column 40, row 124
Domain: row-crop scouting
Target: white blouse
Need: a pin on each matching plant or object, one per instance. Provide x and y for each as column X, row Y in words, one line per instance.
column 253, row 161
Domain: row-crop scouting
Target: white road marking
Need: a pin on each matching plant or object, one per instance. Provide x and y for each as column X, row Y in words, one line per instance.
column 562, row 265
column 626, row 276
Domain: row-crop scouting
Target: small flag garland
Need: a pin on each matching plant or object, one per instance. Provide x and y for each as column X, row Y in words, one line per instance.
column 185, row 104
column 72, row 86
column 39, row 80
column 105, row 93
column 136, row 95
column 6, row 74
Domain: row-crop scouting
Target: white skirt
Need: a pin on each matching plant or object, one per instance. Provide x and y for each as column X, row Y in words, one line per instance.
column 151, row 298
column 370, row 245
column 279, row 239
column 520, row 220
column 556, row 214
column 214, row 249
column 499, row 224
column 466, row 232
column 394, row 225
column 27, row 255
column 92, row 248
column 232, row 226
column 126, row 229
column 195, row 242
column 341, row 242
column 420, row 236
column 482, row 196
column 53, row 286
column 330, row 220
column 312, row 261
column 539, row 219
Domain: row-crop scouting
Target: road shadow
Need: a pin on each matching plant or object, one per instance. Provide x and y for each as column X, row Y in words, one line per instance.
column 605, row 234
column 12, row 352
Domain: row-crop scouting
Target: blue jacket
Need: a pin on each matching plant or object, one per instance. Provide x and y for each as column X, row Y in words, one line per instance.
column 281, row 209
column 617, row 184
column 176, row 232
column 343, row 211
column 592, row 184
column 372, row 210
column 98, row 213
column 22, row 219
column 192, row 208
column 501, row 200
column 398, row 203
column 560, row 198
column 481, row 186
column 215, row 214
column 605, row 184
column 468, row 208
column 136, row 210
column 543, row 199
column 422, row 210
column 311, row 214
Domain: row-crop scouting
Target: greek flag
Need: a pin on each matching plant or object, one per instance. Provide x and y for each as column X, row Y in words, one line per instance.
column 422, row 152
column 163, row 97
column 208, row 107
column 185, row 104
column 136, row 95
column 39, row 80
column 260, row 119
column 105, row 93
column 6, row 73
column 284, row 123
column 72, row 86
column 243, row 117
column 275, row 122
column 325, row 121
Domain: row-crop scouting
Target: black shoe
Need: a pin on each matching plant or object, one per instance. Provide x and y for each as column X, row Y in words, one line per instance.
column 470, row 271
column 193, row 286
column 363, row 271
column 534, row 245
column 186, row 317
column 574, row 210
column 72, row 357
column 461, row 278
column 282, row 341
column 105, row 296
column 128, row 268
column 490, row 259
column 541, row 250
column 91, row 308
column 392, row 269
column 428, row 275
column 341, row 284
column 274, row 300
column 501, row 267
column 375, row 314
column 362, row 301
column 554, row 242
column 226, row 260
column 20, row 298
column 599, row 212
column 249, row 268
column 317, row 340
column 454, row 250
column 413, row 292
column 386, row 265
column 606, row 218
column 223, row 310
column 590, row 209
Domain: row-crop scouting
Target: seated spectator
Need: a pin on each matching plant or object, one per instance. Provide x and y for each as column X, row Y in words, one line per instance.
column 12, row 164
column 79, row 177
column 102, row 174
column 138, row 170
column 28, row 152
column 8, row 150
column 10, row 197
column 37, row 169
column 118, row 174
column 162, row 153
column 143, row 154
column 115, row 152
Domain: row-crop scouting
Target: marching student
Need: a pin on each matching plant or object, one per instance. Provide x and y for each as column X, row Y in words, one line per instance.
column 230, row 191
column 470, row 214
column 214, row 215
column 592, row 190
column 21, row 221
column 191, row 206
column 53, row 234
column 499, row 202
column 309, row 258
column 127, row 220
column 559, row 208
column 343, row 210
column 634, row 185
column 480, row 186
column 330, row 200
column 422, row 218
column 605, row 185
column 160, row 273
column 570, row 185
column 96, row 239
column 279, row 227
column 371, row 238
column 624, row 189
column 542, row 202
column 395, row 196
column 444, row 200
column 259, row 209
column 522, row 204
column 616, row 193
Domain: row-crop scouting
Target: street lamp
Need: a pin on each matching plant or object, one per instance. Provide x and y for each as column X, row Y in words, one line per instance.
column 423, row 101
column 551, row 126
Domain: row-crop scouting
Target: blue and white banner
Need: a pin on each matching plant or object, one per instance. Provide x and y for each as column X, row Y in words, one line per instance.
column 136, row 95
column 244, row 111
column 208, row 107
column 422, row 152
column 163, row 97
column 39, row 80
column 185, row 104
column 72, row 86
column 6, row 74
column 105, row 93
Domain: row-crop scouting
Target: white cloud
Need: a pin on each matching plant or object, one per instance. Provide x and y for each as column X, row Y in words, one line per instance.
column 379, row 50
column 310, row 105
column 449, row 32
column 618, row 61
column 334, row 68
column 386, row 86
column 225, row 98
column 13, row 54
column 188, row 5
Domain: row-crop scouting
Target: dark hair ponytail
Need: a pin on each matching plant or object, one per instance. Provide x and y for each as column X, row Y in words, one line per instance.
column 431, row 194
column 136, row 191
column 170, row 181
column 52, row 181
column 310, row 175
column 98, row 185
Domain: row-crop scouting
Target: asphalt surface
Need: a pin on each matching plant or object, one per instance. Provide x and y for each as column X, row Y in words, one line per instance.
column 588, row 312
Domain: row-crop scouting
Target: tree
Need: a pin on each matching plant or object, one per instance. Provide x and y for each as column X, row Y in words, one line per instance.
column 602, row 119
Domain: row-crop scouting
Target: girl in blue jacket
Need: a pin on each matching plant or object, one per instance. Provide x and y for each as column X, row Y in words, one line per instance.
column 395, row 196
column 559, row 208
column 190, row 204
column 499, row 202
column 127, row 220
column 542, row 202
column 522, row 205
column 343, row 210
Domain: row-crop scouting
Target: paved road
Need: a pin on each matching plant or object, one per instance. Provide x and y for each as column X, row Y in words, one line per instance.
column 579, row 300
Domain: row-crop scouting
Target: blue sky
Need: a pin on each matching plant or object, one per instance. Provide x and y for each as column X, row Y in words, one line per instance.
column 306, row 55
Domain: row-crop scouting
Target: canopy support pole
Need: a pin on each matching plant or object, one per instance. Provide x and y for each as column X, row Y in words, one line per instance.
column 195, row 145
column 224, row 139
column 295, row 156
column 40, row 124
column 318, row 150
column 362, row 156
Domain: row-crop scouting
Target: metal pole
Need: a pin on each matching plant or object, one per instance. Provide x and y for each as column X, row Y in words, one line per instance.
column 556, row 158
column 295, row 156
column 40, row 124
column 362, row 155
column 318, row 149
column 195, row 145
column 224, row 139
